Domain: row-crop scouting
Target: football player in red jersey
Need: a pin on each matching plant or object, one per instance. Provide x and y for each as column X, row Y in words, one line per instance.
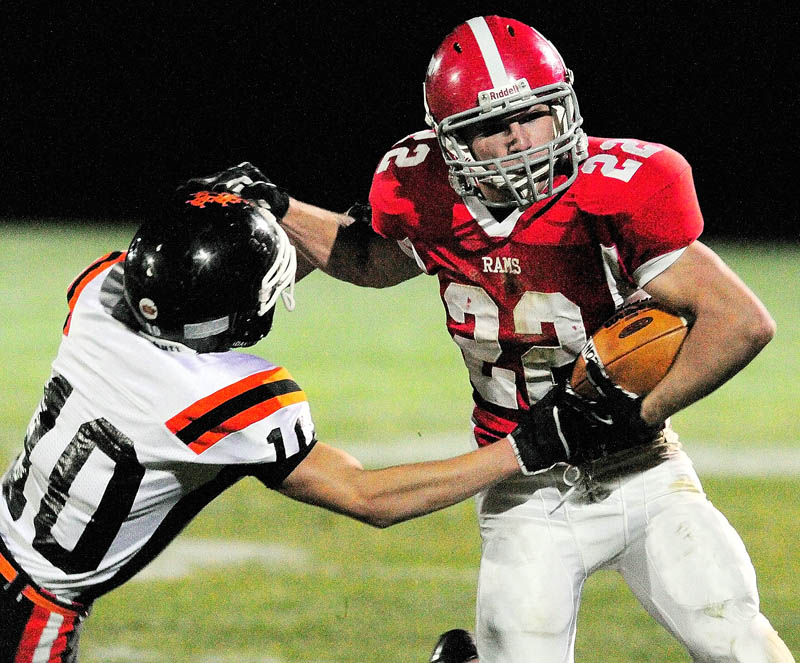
column 536, row 233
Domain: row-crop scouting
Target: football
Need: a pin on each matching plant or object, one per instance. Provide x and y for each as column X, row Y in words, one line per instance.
column 637, row 346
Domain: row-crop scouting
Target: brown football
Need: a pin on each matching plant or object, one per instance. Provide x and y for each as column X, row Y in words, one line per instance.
column 637, row 346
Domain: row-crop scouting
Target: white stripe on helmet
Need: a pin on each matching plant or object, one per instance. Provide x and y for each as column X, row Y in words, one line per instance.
column 491, row 56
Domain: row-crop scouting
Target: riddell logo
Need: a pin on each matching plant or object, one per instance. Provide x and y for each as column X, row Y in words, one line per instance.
column 499, row 93
column 200, row 198
column 503, row 92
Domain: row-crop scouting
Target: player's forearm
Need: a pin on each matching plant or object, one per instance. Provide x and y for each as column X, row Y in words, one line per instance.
column 730, row 327
column 395, row 494
column 313, row 231
column 347, row 250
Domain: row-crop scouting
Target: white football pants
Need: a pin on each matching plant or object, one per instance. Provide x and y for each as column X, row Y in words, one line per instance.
column 677, row 553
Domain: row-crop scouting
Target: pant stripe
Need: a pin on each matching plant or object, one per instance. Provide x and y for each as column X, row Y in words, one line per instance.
column 60, row 643
column 32, row 634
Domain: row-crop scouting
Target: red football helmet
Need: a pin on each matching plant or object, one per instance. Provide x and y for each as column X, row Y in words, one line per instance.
column 489, row 67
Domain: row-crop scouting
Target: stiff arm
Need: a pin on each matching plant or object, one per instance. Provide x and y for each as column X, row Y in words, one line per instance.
column 335, row 480
column 344, row 248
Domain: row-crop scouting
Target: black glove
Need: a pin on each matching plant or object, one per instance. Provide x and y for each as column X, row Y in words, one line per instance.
column 246, row 181
column 556, row 429
column 361, row 213
column 565, row 427
column 617, row 414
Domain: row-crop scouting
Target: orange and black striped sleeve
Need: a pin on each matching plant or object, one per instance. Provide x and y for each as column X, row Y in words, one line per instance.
column 235, row 407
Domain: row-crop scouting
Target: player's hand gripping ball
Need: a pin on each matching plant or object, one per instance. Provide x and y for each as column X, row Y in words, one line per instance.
column 636, row 346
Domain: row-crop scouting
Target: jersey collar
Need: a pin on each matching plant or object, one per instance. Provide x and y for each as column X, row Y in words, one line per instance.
column 486, row 220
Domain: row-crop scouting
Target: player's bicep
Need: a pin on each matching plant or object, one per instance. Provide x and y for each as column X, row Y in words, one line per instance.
column 324, row 478
column 700, row 281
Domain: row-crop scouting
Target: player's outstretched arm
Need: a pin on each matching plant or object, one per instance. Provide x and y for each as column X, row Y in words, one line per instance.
column 346, row 248
column 333, row 479
column 340, row 245
column 730, row 327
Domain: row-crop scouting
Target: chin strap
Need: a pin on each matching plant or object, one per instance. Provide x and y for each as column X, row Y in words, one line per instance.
column 288, row 297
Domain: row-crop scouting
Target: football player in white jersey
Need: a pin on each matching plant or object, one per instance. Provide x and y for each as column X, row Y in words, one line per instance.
column 537, row 233
column 148, row 415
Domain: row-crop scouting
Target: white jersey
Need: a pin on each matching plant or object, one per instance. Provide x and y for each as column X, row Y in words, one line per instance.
column 132, row 439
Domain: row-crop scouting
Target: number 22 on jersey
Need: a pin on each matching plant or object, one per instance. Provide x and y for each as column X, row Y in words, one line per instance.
column 543, row 347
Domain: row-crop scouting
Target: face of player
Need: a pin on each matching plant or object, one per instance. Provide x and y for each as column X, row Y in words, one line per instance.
column 503, row 136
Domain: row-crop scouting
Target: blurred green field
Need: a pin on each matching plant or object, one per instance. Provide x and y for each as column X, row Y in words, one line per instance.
column 378, row 366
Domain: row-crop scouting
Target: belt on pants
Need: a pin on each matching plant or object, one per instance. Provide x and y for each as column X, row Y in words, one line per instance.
column 18, row 582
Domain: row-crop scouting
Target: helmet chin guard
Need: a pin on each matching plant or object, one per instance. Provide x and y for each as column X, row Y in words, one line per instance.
column 489, row 68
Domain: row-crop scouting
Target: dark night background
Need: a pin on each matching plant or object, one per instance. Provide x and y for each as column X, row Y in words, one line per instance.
column 104, row 109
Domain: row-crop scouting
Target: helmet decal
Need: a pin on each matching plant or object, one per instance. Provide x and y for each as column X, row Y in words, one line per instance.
column 519, row 88
column 148, row 308
column 200, row 198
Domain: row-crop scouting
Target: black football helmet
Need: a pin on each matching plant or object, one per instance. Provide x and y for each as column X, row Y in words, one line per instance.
column 208, row 273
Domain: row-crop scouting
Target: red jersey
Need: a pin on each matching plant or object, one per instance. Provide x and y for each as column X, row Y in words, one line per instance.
column 524, row 292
